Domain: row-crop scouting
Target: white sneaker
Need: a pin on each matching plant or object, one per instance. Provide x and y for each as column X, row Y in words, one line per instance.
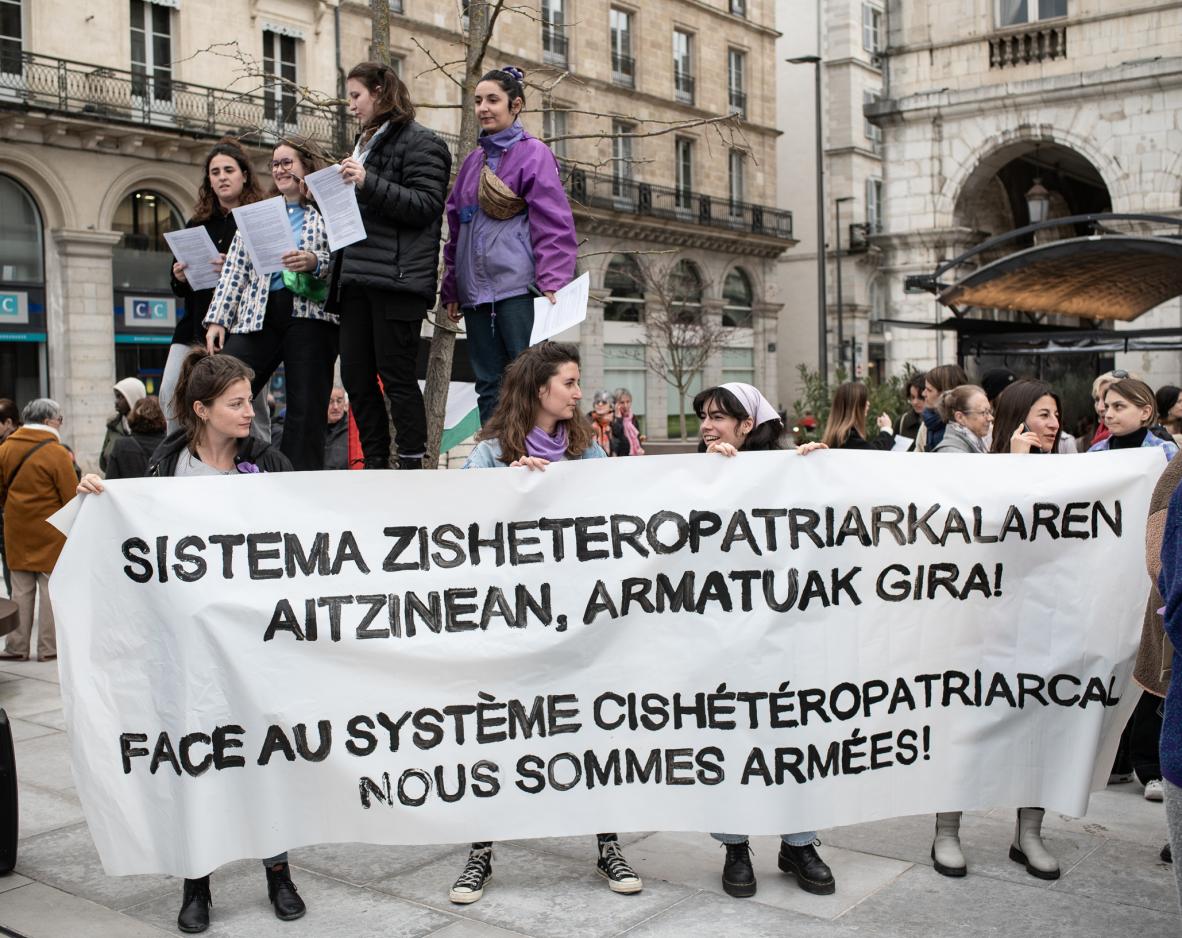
column 1155, row 790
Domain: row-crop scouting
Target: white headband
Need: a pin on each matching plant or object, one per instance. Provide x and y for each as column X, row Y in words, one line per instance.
column 753, row 402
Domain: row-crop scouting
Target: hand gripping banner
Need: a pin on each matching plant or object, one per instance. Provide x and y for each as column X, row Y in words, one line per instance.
column 762, row 644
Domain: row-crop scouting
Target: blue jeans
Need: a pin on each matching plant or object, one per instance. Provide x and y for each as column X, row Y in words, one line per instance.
column 802, row 839
column 497, row 333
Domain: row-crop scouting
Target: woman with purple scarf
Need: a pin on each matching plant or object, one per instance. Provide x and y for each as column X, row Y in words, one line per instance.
column 537, row 422
column 511, row 235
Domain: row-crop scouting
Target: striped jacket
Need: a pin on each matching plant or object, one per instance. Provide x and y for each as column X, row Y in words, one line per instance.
column 240, row 299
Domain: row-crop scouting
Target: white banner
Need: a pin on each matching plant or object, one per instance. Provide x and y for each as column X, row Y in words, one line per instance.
column 763, row 644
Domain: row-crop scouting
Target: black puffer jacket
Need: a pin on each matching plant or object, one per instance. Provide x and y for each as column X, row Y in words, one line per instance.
column 406, row 177
column 250, row 450
column 131, row 454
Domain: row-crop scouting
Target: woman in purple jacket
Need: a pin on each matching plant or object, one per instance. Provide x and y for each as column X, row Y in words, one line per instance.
column 511, row 235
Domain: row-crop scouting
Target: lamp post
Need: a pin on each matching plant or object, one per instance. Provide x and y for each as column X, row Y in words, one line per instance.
column 840, row 307
column 822, row 318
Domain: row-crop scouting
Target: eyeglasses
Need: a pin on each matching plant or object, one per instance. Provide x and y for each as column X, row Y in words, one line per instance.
column 1120, row 374
column 983, row 413
column 284, row 164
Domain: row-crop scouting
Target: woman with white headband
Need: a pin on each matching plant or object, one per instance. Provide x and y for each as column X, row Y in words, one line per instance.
column 736, row 418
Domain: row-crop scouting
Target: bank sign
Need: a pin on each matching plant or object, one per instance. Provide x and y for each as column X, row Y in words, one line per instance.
column 149, row 312
column 14, row 308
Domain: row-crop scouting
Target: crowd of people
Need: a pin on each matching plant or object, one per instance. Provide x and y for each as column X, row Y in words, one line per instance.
column 511, row 240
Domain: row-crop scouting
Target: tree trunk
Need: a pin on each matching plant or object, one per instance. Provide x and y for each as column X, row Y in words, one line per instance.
column 681, row 411
column 443, row 338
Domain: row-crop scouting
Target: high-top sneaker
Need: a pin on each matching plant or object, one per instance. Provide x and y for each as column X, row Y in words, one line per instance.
column 738, row 878
column 477, row 871
column 195, row 903
column 282, row 892
column 614, row 868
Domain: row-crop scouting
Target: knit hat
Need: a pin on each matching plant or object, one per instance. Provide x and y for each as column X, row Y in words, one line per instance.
column 996, row 380
column 132, row 390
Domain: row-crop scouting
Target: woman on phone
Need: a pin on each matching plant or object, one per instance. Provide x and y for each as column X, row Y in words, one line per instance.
column 511, row 234
column 271, row 319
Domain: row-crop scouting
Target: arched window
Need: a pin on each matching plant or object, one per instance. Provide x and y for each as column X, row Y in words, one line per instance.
column 20, row 235
column 141, row 258
column 737, row 297
column 625, row 285
column 685, row 291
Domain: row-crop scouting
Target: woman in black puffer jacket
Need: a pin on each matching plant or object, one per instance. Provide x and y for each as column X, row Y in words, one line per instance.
column 130, row 454
column 384, row 286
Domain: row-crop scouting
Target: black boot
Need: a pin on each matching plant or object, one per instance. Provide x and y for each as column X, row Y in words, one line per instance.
column 377, row 462
column 283, row 894
column 410, row 462
column 811, row 872
column 195, row 903
column 1166, row 854
column 738, row 878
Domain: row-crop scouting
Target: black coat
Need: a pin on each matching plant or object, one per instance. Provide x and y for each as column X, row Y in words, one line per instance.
column 250, row 449
column 190, row 329
column 882, row 441
column 131, row 454
column 336, row 445
column 406, row 177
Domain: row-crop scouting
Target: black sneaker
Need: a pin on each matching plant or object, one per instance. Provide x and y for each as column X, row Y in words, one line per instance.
column 477, row 872
column 738, row 878
column 410, row 462
column 811, row 872
column 195, row 903
column 284, row 896
column 614, row 868
column 1166, row 854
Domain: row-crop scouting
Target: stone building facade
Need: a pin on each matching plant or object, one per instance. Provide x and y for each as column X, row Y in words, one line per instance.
column 108, row 109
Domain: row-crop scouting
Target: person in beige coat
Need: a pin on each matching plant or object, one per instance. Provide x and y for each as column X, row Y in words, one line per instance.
column 36, row 479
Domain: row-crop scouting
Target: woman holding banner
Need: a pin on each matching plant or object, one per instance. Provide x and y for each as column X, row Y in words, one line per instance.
column 511, row 234
column 537, row 422
column 212, row 404
column 737, row 418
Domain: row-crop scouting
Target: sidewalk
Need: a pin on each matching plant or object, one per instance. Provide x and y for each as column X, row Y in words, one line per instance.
column 1113, row 883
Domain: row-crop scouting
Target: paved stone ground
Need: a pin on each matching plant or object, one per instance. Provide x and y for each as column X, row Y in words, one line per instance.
column 1113, row 883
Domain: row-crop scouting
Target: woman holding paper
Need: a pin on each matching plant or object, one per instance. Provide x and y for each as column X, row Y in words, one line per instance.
column 228, row 180
column 511, row 234
column 271, row 319
column 384, row 285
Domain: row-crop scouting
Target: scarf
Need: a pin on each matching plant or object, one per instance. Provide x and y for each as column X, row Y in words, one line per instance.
column 631, row 431
column 757, row 406
column 1102, row 433
column 975, row 442
column 603, row 430
column 935, row 426
column 540, row 443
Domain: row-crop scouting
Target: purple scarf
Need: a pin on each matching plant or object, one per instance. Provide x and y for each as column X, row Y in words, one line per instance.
column 540, row 443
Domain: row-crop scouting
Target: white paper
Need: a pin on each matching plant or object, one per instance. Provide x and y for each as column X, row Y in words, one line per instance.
column 568, row 309
column 337, row 201
column 266, row 232
column 902, row 443
column 194, row 248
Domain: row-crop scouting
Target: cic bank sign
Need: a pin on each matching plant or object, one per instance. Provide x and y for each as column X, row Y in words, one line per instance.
column 14, row 308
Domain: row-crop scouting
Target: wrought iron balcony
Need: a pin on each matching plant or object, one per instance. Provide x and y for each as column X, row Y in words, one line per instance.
column 555, row 45
column 623, row 69
column 594, row 190
column 683, row 86
column 112, row 95
column 738, row 102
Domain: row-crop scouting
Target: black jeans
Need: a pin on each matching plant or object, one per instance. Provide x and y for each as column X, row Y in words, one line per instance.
column 1138, row 749
column 307, row 349
column 375, row 343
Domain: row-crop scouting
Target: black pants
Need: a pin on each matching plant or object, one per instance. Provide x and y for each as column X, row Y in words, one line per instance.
column 307, row 349
column 376, row 344
column 1137, row 752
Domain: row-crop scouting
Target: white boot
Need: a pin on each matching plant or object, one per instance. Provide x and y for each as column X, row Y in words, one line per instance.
column 1028, row 848
column 946, row 852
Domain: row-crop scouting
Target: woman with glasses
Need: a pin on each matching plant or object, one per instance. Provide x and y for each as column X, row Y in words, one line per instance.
column 967, row 416
column 266, row 320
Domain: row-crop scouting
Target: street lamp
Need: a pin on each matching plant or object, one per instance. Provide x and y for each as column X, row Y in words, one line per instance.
column 822, row 319
column 1038, row 202
column 840, row 309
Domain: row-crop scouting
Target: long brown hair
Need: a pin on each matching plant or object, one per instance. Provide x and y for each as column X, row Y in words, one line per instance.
column 204, row 378
column 1012, row 406
column 847, row 413
column 207, row 203
column 946, row 377
column 517, row 410
column 392, row 103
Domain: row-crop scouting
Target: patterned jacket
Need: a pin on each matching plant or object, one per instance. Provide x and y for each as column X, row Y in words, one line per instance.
column 240, row 299
column 1168, row 447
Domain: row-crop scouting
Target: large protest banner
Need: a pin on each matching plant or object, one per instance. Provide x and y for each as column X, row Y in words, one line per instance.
column 762, row 644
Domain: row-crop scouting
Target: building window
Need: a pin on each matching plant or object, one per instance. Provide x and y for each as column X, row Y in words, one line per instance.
column 872, row 28
column 140, row 260
column 20, row 235
column 684, row 160
column 736, row 188
column 683, row 66
column 874, row 205
column 737, row 297
column 10, row 37
column 280, row 78
column 396, row 6
column 738, row 364
column 625, row 286
column 397, row 63
column 739, row 7
column 554, row 43
column 151, row 51
column 685, row 292
column 736, row 66
column 622, row 160
column 623, row 65
column 1019, row 12
column 872, row 131
column 553, row 127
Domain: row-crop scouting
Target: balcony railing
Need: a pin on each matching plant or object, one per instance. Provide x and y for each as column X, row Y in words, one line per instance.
column 738, row 102
column 1036, row 44
column 683, row 86
column 85, row 91
column 555, row 45
column 623, row 70
column 593, row 190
